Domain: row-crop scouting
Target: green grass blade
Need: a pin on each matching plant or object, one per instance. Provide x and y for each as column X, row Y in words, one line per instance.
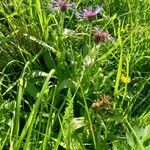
column 31, row 119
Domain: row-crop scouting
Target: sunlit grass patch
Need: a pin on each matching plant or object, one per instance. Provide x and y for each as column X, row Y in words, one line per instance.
column 74, row 74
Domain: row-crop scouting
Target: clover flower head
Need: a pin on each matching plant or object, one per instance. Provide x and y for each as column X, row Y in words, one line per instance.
column 101, row 36
column 63, row 5
column 90, row 13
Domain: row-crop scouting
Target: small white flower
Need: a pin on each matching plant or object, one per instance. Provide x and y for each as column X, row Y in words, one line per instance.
column 68, row 33
column 88, row 60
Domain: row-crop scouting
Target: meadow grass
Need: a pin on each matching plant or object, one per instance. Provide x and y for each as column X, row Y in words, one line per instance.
column 63, row 86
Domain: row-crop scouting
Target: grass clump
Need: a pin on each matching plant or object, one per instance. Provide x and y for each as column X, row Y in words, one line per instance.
column 74, row 75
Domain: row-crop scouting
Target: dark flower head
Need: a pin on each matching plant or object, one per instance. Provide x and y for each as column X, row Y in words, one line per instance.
column 90, row 13
column 63, row 5
column 101, row 36
column 104, row 102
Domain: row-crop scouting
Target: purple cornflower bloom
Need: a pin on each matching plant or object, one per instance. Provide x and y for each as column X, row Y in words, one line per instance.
column 63, row 5
column 90, row 13
column 101, row 36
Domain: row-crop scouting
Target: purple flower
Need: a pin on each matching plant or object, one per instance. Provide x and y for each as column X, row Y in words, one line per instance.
column 90, row 13
column 63, row 5
column 101, row 36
